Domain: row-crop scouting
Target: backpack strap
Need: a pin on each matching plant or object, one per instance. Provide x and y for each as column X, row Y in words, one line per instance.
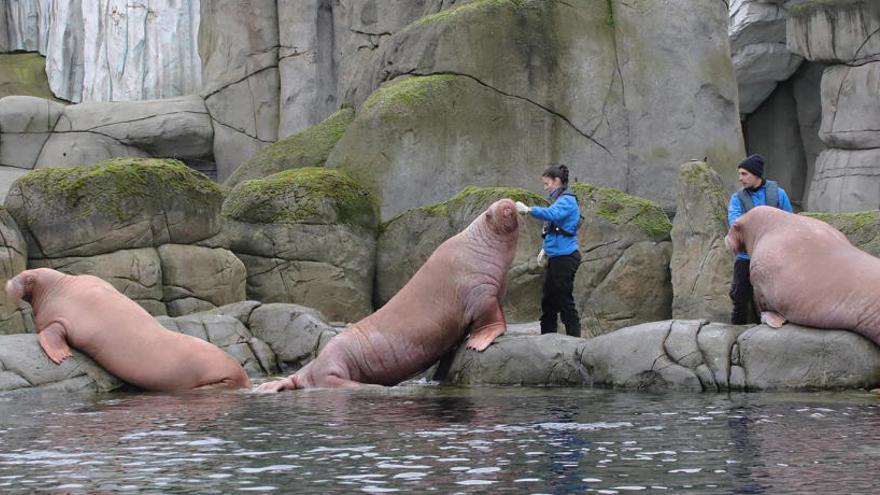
column 744, row 199
column 772, row 193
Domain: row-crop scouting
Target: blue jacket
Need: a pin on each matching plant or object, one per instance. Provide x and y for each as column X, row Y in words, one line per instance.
column 565, row 213
column 735, row 208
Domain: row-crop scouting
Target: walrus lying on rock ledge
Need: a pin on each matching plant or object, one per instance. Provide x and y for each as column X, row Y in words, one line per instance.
column 90, row 315
column 458, row 290
column 807, row 272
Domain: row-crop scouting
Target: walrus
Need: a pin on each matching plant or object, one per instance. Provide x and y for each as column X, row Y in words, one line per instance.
column 457, row 291
column 807, row 272
column 90, row 315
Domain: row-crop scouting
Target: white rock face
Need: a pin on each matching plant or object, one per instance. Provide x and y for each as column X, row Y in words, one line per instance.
column 757, row 46
column 109, row 50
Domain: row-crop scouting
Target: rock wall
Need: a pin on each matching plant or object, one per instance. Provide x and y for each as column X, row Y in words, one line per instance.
column 109, row 50
column 757, row 47
column 843, row 35
column 306, row 236
column 37, row 133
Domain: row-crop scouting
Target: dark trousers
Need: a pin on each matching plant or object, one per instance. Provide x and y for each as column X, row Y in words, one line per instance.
column 558, row 298
column 741, row 293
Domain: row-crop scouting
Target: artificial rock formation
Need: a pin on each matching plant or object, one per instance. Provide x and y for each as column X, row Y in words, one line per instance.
column 670, row 355
column 843, row 34
column 147, row 226
column 467, row 106
column 701, row 266
column 13, row 259
column 39, row 133
column 757, row 47
column 306, row 236
column 308, row 148
column 624, row 275
column 109, row 50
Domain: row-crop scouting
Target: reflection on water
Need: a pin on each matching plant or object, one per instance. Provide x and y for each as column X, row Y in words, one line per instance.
column 430, row 438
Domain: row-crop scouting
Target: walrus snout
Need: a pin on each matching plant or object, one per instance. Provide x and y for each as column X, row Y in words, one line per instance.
column 15, row 291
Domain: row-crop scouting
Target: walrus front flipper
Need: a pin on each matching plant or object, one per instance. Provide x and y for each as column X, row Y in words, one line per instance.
column 772, row 319
column 53, row 340
column 487, row 327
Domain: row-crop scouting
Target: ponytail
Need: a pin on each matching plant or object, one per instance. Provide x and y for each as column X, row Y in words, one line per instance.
column 557, row 172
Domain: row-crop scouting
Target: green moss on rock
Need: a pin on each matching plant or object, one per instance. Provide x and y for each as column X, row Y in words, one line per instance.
column 308, row 148
column 703, row 178
column 478, row 5
column 303, row 195
column 406, row 91
column 24, row 74
column 620, row 208
column 119, row 185
column 861, row 228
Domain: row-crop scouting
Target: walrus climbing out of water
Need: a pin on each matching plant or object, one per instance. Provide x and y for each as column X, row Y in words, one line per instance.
column 807, row 272
column 88, row 314
column 456, row 292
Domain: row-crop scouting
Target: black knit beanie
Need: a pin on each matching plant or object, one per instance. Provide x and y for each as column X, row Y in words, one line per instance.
column 754, row 164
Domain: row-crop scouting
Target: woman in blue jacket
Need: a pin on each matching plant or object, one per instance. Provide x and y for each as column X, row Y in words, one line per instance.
column 560, row 246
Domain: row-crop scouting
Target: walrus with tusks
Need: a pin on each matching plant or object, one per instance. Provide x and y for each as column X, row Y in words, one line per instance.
column 90, row 315
column 457, row 291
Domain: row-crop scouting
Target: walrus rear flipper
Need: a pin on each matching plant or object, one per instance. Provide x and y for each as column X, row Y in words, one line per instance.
column 772, row 319
column 53, row 340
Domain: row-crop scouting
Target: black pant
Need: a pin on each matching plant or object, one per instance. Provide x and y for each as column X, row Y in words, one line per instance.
column 558, row 298
column 741, row 293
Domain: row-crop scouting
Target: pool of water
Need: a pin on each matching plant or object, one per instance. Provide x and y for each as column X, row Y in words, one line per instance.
column 419, row 437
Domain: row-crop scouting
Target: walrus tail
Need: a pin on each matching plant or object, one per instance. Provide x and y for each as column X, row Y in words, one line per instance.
column 15, row 291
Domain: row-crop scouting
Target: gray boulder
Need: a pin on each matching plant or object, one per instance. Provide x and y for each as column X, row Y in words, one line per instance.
column 846, row 181
column 701, row 266
column 309, row 148
column 834, row 31
column 294, row 333
column 13, row 258
column 548, row 360
column 26, row 123
column 408, row 240
column 850, row 107
column 38, row 133
column 116, row 204
column 24, row 366
column 688, row 355
column 624, row 275
column 196, row 278
column 230, row 334
column 306, row 236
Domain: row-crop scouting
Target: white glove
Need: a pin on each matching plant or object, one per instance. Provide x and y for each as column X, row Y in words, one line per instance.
column 521, row 208
column 542, row 258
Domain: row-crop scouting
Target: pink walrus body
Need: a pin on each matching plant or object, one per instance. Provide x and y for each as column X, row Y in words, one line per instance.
column 807, row 272
column 458, row 290
column 90, row 315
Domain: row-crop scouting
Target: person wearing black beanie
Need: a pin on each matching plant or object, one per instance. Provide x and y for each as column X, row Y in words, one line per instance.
column 755, row 191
